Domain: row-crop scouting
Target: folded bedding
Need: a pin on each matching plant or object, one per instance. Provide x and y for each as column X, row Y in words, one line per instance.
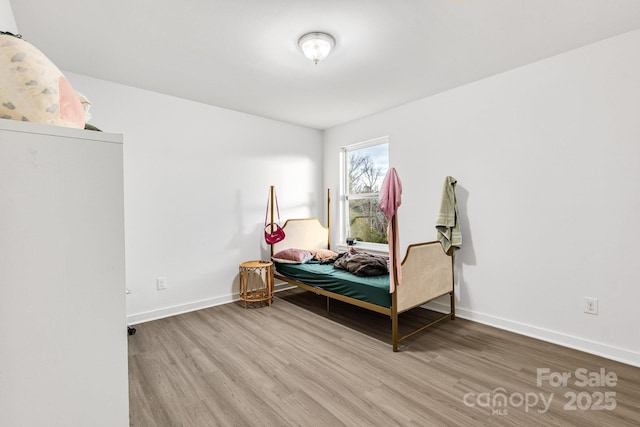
column 373, row 289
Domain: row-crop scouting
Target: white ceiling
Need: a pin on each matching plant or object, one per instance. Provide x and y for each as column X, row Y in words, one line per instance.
column 243, row 54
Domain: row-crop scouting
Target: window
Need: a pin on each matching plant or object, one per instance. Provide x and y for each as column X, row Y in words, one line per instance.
column 365, row 166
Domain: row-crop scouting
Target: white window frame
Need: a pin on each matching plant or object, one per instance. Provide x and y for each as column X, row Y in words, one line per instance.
column 344, row 197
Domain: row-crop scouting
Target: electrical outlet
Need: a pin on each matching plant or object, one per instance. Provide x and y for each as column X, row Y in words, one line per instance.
column 161, row 283
column 591, row 305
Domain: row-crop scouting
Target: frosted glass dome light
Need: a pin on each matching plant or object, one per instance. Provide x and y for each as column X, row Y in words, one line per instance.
column 316, row 46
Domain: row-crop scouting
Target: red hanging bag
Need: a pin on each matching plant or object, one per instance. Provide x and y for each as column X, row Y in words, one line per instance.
column 273, row 233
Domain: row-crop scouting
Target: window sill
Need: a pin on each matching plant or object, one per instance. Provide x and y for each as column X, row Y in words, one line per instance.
column 372, row 248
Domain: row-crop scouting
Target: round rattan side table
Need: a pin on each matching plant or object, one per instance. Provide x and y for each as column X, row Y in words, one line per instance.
column 256, row 282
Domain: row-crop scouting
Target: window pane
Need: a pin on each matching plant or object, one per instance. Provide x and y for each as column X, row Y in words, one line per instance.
column 367, row 223
column 366, row 168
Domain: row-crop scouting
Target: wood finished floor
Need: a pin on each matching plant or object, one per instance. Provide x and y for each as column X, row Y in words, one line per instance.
column 292, row 365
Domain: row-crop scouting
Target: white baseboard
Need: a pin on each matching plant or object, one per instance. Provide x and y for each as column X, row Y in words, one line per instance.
column 134, row 319
column 599, row 349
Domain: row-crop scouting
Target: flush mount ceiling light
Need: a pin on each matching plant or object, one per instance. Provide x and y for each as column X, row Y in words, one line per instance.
column 316, row 46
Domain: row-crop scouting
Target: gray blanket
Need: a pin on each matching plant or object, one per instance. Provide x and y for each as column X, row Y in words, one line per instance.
column 360, row 264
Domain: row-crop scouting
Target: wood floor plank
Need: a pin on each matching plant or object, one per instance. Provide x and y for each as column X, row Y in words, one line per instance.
column 292, row 364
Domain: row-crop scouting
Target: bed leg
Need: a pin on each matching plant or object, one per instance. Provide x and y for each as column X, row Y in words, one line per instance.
column 394, row 320
column 453, row 305
column 327, row 306
column 394, row 331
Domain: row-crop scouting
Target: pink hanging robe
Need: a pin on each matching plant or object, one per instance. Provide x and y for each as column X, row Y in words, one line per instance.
column 390, row 200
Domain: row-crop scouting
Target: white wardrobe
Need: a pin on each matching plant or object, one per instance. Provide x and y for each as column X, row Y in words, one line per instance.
column 63, row 336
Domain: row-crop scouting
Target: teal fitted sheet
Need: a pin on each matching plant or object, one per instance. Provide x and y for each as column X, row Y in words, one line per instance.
column 371, row 289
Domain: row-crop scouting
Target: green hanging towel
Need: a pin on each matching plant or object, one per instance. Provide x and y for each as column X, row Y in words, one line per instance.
column 447, row 224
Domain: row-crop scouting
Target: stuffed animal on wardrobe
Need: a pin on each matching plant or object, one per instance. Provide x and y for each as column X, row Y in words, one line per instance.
column 33, row 89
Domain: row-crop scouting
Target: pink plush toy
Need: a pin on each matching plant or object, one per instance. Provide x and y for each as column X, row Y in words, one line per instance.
column 33, row 89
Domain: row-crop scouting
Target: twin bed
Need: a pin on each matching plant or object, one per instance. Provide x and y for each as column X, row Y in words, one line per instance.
column 427, row 273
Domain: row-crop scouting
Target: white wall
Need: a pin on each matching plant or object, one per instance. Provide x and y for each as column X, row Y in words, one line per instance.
column 196, row 185
column 547, row 159
column 7, row 21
